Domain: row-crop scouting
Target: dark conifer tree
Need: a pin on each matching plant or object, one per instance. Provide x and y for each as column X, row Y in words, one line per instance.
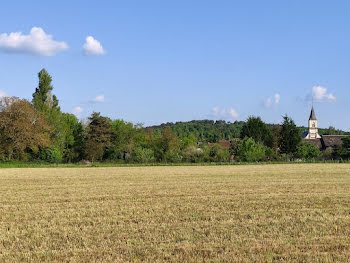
column 290, row 136
column 99, row 134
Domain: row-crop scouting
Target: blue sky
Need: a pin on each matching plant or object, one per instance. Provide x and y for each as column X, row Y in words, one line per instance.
column 157, row 61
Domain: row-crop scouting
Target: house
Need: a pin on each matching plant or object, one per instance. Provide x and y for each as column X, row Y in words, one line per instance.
column 322, row 142
column 225, row 144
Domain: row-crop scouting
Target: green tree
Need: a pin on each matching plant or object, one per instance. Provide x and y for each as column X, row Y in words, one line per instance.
column 236, row 145
column 344, row 150
column 276, row 138
column 46, row 102
column 98, row 138
column 289, row 136
column 51, row 155
column 218, row 153
column 307, row 151
column 203, row 130
column 23, row 130
column 126, row 137
column 73, row 144
column 252, row 151
column 43, row 99
column 193, row 154
column 122, row 139
column 256, row 129
column 189, row 140
column 165, row 145
column 328, row 154
column 333, row 131
column 143, row 155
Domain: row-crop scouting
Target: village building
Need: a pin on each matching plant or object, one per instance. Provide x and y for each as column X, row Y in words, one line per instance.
column 223, row 143
column 322, row 142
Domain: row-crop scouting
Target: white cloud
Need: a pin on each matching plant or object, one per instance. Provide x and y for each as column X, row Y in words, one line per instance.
column 2, row 94
column 36, row 43
column 93, row 47
column 277, row 98
column 230, row 114
column 98, row 99
column 268, row 103
column 320, row 94
column 215, row 111
column 272, row 101
column 233, row 113
column 77, row 111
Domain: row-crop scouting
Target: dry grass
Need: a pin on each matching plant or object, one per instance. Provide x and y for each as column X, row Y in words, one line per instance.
column 260, row 213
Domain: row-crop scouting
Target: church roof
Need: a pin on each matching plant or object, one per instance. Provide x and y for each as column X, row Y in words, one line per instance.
column 333, row 141
column 312, row 115
column 225, row 144
column 327, row 141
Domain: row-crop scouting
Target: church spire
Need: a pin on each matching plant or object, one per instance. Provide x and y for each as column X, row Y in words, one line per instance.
column 313, row 130
column 312, row 115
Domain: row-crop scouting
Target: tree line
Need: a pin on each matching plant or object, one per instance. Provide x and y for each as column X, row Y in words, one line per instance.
column 38, row 130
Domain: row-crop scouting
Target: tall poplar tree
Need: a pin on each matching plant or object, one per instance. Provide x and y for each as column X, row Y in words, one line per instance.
column 43, row 99
column 46, row 102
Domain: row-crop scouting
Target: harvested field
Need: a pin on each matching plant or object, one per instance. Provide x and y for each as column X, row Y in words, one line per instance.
column 252, row 213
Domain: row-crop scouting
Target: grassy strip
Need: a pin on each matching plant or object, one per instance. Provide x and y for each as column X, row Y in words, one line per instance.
column 114, row 164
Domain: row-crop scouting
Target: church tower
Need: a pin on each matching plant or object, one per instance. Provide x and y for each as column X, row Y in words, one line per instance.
column 313, row 129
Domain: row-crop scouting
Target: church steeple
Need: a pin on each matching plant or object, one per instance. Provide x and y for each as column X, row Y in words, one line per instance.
column 312, row 115
column 313, row 129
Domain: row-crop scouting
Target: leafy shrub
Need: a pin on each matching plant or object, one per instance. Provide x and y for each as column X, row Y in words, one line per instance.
column 51, row 155
column 217, row 153
column 344, row 151
column 193, row 154
column 328, row 154
column 252, row 151
column 173, row 156
column 143, row 155
column 307, row 151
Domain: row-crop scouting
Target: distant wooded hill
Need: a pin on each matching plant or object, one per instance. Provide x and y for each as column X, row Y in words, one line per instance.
column 213, row 131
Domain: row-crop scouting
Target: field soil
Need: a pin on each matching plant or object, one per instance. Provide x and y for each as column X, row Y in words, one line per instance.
column 248, row 213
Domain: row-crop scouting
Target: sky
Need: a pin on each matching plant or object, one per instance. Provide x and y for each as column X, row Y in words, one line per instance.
column 155, row 61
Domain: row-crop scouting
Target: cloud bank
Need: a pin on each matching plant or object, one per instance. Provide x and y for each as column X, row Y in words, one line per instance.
column 320, row 94
column 271, row 102
column 93, row 47
column 98, row 99
column 37, row 42
column 225, row 114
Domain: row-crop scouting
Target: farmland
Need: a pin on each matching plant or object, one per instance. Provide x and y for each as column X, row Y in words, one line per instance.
column 243, row 213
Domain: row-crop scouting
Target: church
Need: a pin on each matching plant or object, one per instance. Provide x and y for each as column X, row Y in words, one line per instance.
column 322, row 142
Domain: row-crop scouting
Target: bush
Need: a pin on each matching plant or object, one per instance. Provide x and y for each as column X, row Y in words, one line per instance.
column 270, row 154
column 51, row 155
column 173, row 156
column 236, row 145
column 252, row 151
column 114, row 153
column 217, row 153
column 344, row 151
column 143, row 155
column 307, row 151
column 193, row 154
column 328, row 154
